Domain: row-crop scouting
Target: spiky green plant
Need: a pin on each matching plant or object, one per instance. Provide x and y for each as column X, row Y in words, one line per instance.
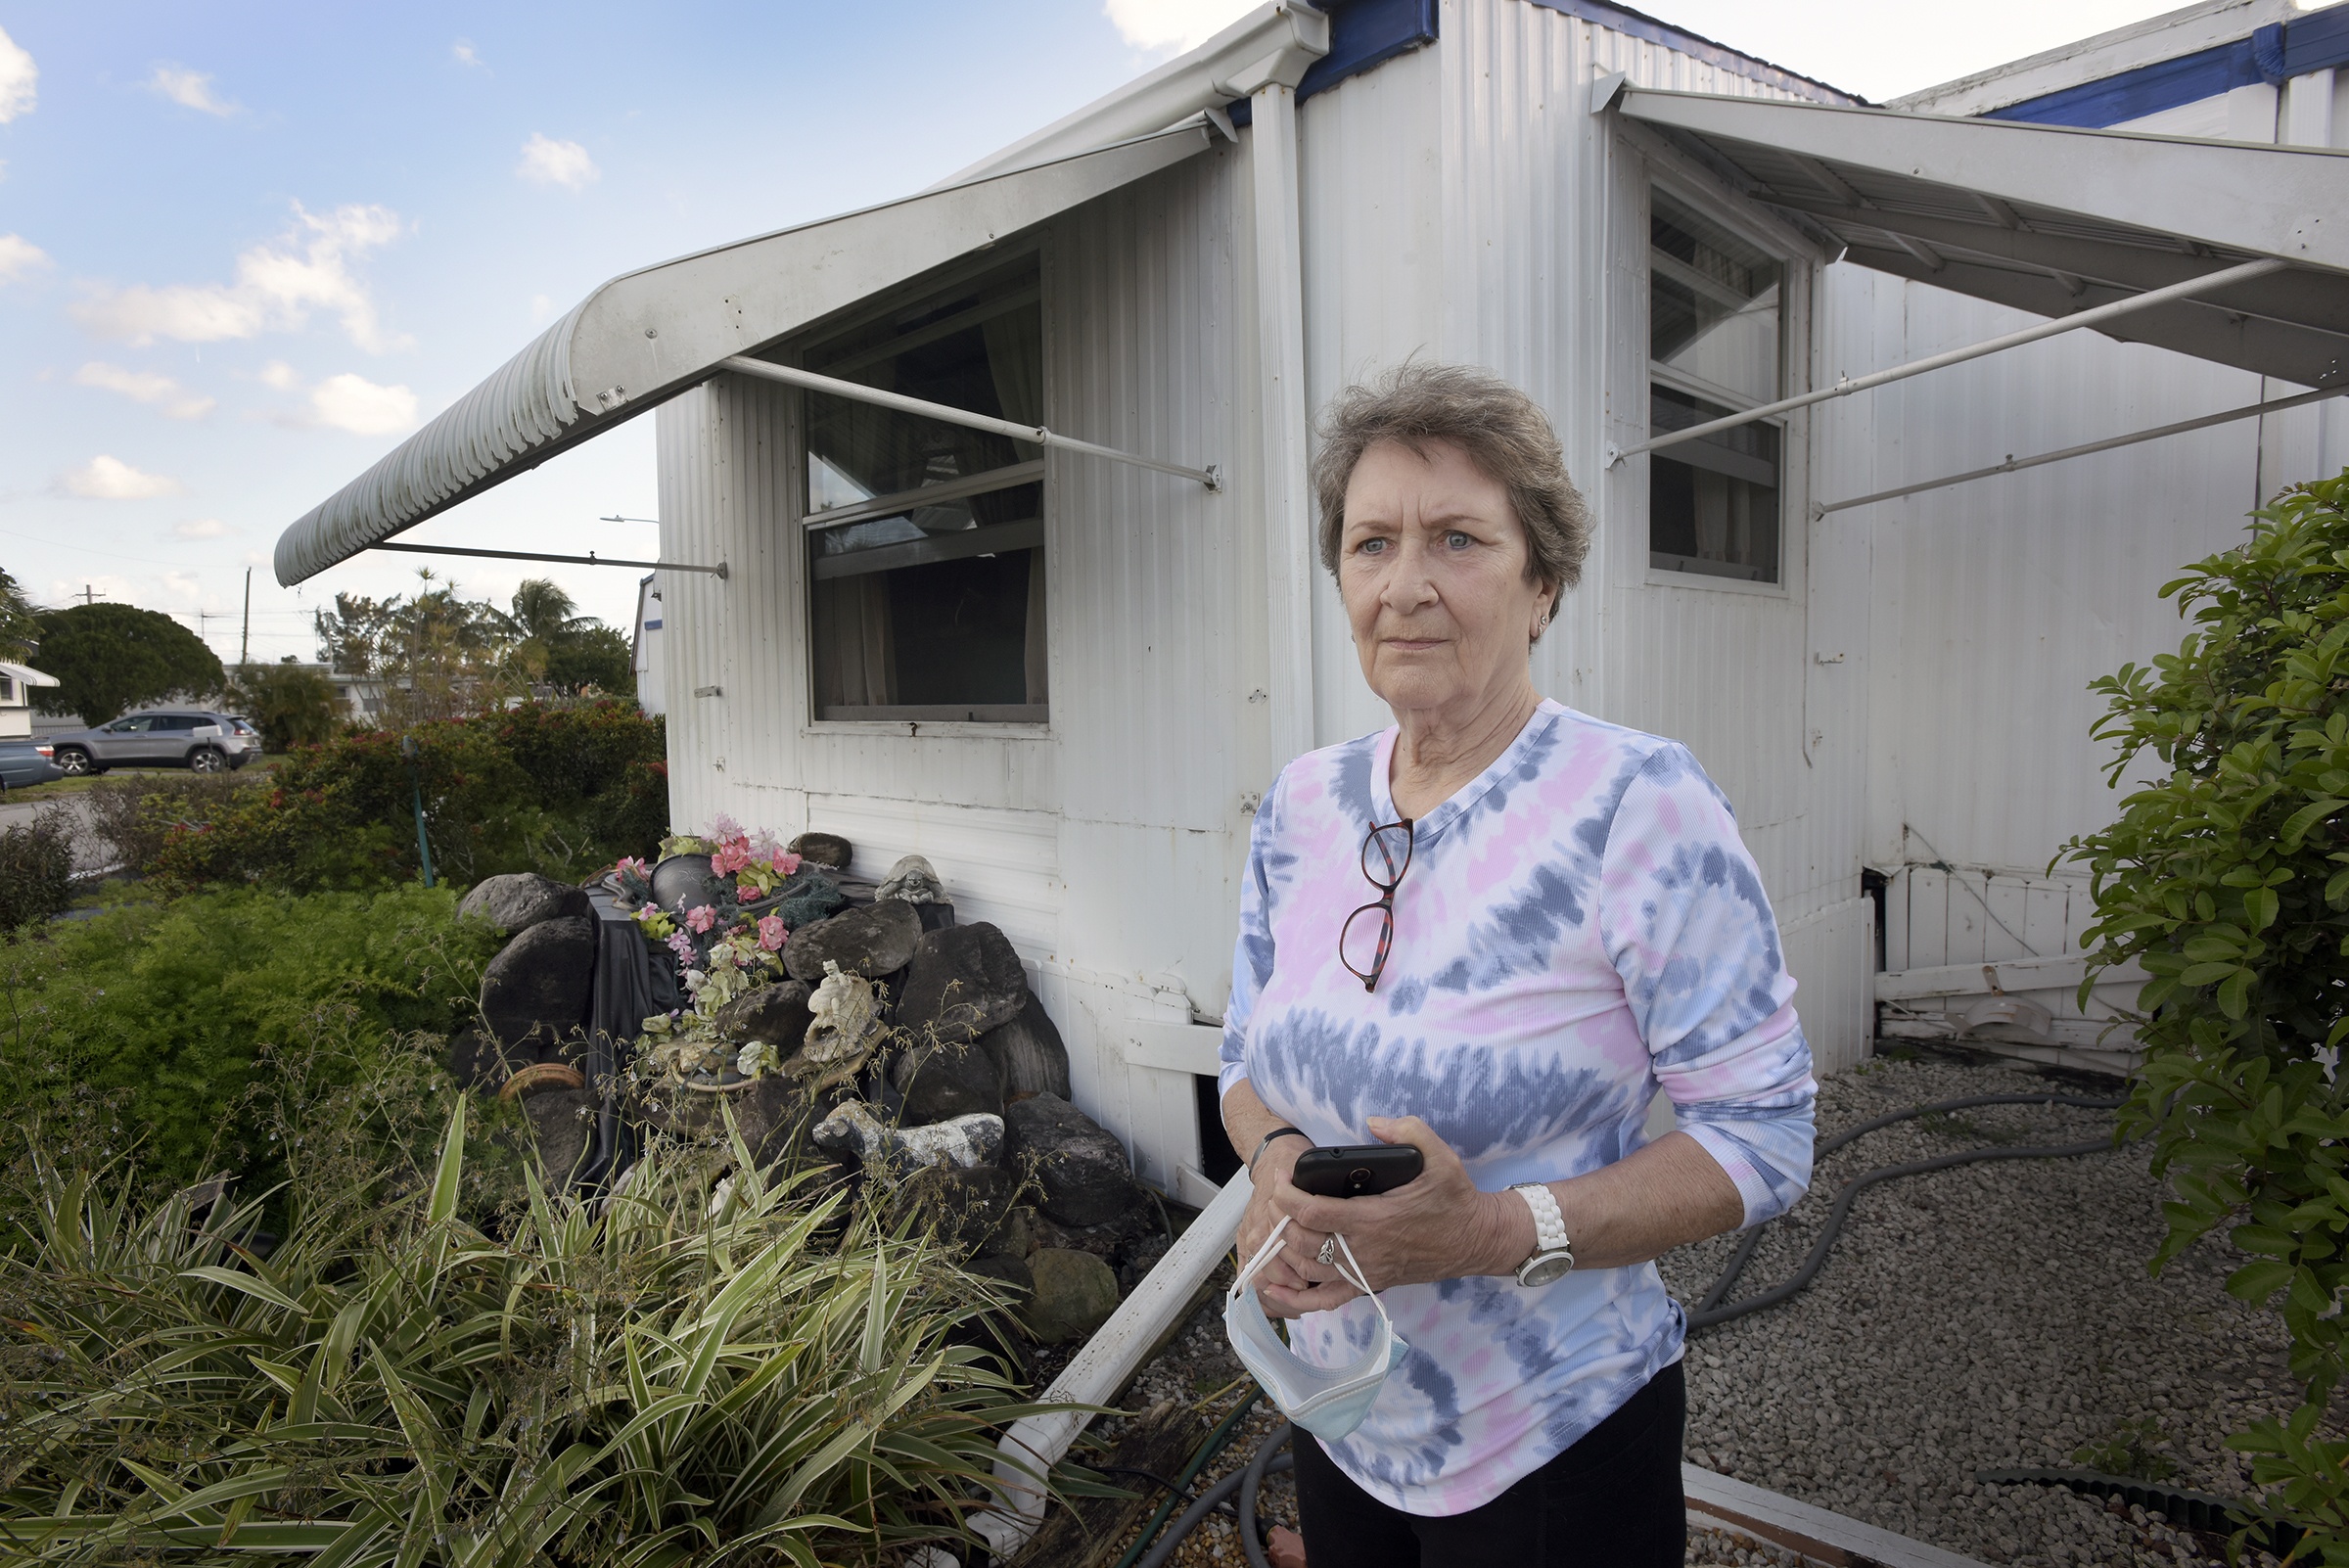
column 655, row 1380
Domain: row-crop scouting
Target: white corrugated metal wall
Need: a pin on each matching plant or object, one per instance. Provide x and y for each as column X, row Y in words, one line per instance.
column 1995, row 603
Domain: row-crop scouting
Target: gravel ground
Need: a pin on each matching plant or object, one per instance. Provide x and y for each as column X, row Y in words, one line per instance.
column 1989, row 1316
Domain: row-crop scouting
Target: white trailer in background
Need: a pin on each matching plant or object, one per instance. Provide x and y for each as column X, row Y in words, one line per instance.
column 644, row 648
column 945, row 569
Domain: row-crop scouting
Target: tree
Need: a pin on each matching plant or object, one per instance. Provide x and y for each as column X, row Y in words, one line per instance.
column 291, row 704
column 596, row 658
column 108, row 658
column 2226, row 880
column 19, row 631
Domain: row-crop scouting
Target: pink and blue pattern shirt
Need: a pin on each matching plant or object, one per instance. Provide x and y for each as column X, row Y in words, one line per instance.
column 1581, row 928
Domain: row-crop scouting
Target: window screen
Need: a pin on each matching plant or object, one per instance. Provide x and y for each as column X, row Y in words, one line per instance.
column 1713, row 349
column 926, row 540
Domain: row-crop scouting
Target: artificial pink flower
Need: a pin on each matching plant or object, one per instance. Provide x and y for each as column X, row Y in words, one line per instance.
column 772, row 935
column 700, row 917
column 747, row 891
column 786, row 863
column 628, row 863
column 722, row 826
column 731, row 856
column 682, row 946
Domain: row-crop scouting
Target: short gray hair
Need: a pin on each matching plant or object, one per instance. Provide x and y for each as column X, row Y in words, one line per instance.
column 1504, row 433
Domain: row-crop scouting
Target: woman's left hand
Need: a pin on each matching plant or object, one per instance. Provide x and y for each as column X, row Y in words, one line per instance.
column 1439, row 1227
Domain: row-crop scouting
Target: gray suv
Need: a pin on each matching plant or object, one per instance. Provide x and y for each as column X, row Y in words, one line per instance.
column 177, row 737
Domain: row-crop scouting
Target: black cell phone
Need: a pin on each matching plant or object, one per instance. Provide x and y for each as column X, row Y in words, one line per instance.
column 1356, row 1170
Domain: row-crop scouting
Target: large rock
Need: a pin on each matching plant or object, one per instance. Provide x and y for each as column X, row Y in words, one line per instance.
column 515, row 902
column 766, row 1112
column 870, row 941
column 827, row 849
column 1081, row 1168
column 478, row 1061
column 944, row 1082
column 776, row 1014
column 1034, row 1059
column 539, row 988
column 963, row 981
column 1074, row 1294
column 563, row 1123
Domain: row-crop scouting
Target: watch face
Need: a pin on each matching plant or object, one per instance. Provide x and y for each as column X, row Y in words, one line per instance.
column 1546, row 1269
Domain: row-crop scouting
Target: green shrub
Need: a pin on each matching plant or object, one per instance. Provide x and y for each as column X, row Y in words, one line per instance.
column 36, row 868
column 172, row 1013
column 292, row 705
column 565, row 790
column 2227, row 880
column 657, row 1381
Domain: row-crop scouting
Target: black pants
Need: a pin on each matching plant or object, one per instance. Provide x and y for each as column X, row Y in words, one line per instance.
column 1612, row 1500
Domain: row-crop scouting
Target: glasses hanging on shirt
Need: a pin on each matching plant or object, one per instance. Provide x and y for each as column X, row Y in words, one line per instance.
column 1386, row 857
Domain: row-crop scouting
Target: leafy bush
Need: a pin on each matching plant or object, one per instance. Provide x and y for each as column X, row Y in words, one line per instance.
column 292, row 705
column 655, row 1381
column 173, row 1013
column 36, row 868
column 565, row 790
column 2227, row 880
column 133, row 814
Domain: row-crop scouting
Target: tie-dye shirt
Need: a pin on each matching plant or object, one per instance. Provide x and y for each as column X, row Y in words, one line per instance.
column 1579, row 927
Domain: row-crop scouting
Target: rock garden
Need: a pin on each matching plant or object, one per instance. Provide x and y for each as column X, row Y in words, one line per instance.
column 755, row 1001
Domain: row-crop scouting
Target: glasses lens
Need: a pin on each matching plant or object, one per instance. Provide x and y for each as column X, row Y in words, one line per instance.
column 1385, row 853
column 1363, row 944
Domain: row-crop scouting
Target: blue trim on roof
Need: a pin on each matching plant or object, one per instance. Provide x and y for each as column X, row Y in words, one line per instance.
column 1363, row 35
column 2273, row 54
column 1639, row 25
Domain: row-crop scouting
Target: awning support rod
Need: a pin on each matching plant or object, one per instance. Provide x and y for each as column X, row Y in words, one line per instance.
column 1036, row 435
column 589, row 559
column 2015, row 465
column 1958, row 356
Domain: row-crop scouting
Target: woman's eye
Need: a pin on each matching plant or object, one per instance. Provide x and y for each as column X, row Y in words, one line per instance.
column 1458, row 540
column 1372, row 547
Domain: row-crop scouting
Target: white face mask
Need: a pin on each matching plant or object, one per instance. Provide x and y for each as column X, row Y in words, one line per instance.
column 1328, row 1401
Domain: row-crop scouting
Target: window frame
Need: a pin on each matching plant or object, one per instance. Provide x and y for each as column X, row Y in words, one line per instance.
column 993, row 720
column 1660, row 168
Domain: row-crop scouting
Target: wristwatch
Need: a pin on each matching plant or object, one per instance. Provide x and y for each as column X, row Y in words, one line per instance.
column 1554, row 1255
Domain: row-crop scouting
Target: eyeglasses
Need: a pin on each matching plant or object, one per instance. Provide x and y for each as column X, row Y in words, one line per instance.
column 1392, row 844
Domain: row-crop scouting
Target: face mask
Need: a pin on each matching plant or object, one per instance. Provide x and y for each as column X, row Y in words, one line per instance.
column 1328, row 1401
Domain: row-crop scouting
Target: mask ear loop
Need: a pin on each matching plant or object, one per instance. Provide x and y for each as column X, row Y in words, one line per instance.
column 1264, row 1255
column 1354, row 1275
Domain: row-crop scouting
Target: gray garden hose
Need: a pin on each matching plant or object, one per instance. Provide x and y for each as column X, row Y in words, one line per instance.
column 1251, row 1478
column 1193, row 1516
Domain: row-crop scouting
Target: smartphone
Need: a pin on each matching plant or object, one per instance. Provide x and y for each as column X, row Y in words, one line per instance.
column 1356, row 1171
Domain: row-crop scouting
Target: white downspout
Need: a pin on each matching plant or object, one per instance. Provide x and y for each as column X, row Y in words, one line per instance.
column 1280, row 362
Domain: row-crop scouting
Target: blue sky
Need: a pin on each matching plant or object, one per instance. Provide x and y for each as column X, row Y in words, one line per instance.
column 245, row 249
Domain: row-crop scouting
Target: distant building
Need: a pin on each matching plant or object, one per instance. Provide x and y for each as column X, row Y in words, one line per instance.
column 16, row 698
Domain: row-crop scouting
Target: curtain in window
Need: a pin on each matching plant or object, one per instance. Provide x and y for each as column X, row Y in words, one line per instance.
column 856, row 650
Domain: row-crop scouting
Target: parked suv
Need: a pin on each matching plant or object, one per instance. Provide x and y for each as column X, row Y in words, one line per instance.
column 25, row 763
column 175, row 737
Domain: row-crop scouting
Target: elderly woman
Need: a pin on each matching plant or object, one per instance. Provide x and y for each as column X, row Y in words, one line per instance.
column 1493, row 932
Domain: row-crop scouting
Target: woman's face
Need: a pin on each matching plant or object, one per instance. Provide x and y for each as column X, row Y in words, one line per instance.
column 1431, row 570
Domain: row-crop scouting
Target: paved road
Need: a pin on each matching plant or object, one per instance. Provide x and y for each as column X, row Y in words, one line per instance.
column 89, row 854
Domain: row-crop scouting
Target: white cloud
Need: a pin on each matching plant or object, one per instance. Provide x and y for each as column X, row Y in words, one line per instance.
column 1174, row 25
column 278, row 285
column 358, row 406
column 202, row 528
column 464, row 53
column 547, row 162
column 280, row 375
column 145, row 387
column 541, row 306
column 19, row 259
column 110, row 479
column 17, row 76
column 190, row 89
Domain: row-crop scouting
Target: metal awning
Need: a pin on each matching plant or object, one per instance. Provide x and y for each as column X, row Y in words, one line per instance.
column 2055, row 220
column 26, row 676
column 647, row 335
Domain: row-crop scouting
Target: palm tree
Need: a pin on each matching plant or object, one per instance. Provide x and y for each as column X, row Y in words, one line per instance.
column 544, row 614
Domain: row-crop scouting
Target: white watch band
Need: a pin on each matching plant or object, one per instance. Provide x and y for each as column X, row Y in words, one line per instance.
column 1549, row 1225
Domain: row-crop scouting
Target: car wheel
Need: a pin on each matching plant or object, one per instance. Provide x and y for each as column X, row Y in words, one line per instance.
column 73, row 762
column 205, row 760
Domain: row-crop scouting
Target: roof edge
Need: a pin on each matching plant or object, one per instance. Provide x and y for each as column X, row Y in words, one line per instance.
column 2154, row 41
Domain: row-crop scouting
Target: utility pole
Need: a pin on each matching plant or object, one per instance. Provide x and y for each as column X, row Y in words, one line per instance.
column 244, row 647
column 89, row 595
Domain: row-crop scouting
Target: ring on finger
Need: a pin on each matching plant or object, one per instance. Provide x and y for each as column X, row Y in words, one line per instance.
column 1327, row 1257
